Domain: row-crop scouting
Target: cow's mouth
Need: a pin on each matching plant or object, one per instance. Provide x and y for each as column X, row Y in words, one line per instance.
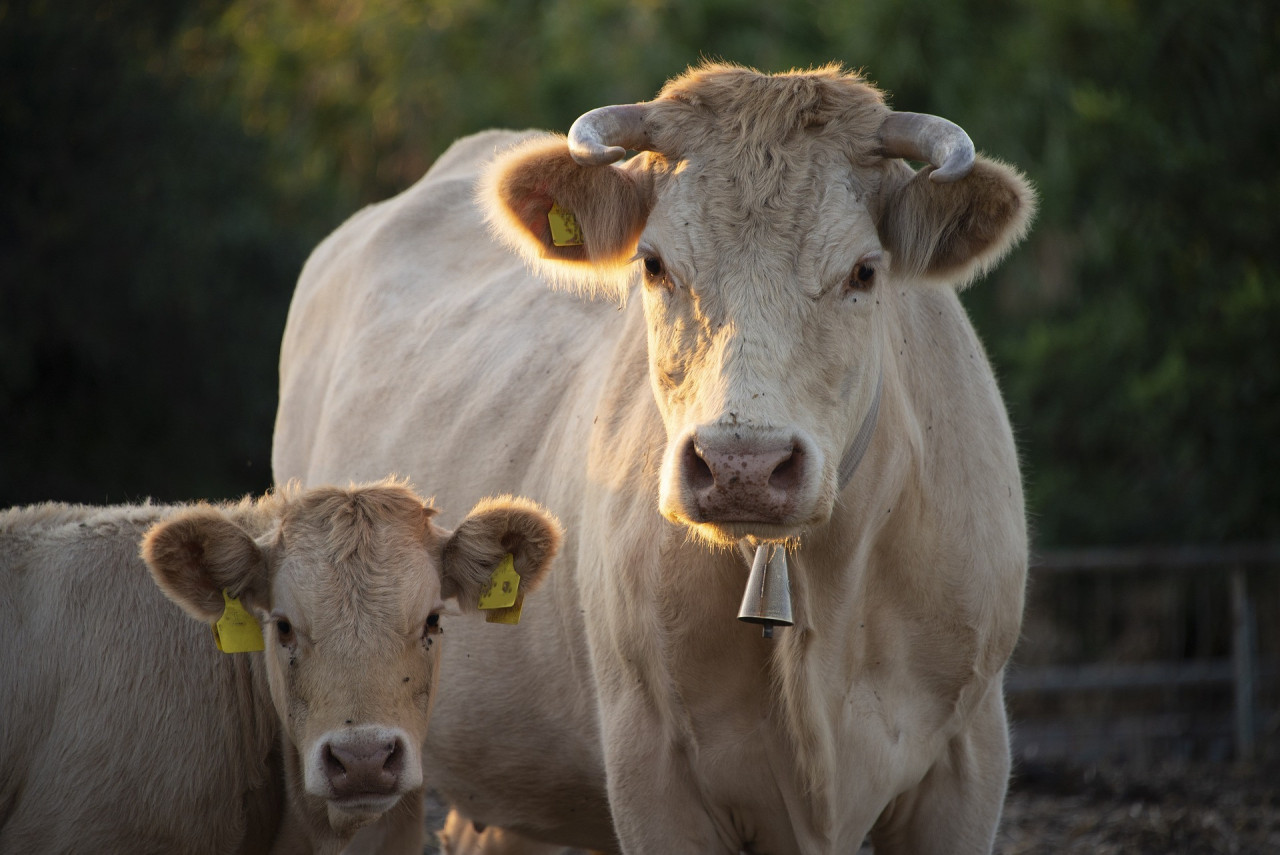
column 349, row 814
column 371, row 803
column 731, row 532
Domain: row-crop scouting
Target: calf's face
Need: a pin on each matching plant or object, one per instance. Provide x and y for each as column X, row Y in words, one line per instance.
column 350, row 587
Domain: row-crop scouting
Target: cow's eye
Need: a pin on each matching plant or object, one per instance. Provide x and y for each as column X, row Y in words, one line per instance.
column 863, row 275
column 432, row 626
column 655, row 272
column 284, row 630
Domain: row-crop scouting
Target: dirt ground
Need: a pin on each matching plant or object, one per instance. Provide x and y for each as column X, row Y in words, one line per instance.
column 1182, row 809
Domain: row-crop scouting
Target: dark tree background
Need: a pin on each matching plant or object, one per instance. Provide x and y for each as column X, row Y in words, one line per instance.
column 145, row 262
column 166, row 166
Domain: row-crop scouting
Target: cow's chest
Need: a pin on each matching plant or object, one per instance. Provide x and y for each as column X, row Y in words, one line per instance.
column 792, row 749
column 756, row 782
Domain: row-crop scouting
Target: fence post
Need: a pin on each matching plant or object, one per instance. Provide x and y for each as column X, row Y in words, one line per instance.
column 1242, row 660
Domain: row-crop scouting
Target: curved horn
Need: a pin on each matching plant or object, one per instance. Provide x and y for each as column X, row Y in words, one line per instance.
column 603, row 135
column 920, row 136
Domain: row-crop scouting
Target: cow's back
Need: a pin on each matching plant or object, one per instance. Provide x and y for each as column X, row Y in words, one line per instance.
column 411, row 314
column 124, row 729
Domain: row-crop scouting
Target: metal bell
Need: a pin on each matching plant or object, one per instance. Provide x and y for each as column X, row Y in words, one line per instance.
column 767, row 600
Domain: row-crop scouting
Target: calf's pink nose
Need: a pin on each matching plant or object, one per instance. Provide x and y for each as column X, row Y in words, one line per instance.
column 363, row 766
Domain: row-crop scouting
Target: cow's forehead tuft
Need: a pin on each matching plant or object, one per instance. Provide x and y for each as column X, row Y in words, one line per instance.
column 361, row 552
column 728, row 109
column 351, row 523
column 366, row 588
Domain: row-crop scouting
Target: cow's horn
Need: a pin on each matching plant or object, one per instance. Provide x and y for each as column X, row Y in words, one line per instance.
column 603, row 135
column 919, row 136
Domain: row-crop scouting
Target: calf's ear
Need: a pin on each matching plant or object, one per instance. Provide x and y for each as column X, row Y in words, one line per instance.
column 494, row 528
column 588, row 242
column 197, row 553
column 954, row 232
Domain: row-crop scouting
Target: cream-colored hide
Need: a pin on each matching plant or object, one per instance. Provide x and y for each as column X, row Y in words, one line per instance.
column 125, row 730
column 777, row 260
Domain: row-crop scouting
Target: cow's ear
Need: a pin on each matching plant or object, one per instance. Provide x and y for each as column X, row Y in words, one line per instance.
column 494, row 528
column 576, row 226
column 197, row 553
column 954, row 232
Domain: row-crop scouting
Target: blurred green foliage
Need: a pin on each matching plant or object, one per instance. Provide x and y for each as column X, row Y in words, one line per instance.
column 167, row 166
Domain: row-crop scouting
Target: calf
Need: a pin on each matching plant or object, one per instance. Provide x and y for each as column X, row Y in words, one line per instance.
column 124, row 728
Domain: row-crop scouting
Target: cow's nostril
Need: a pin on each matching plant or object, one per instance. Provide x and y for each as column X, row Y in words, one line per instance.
column 395, row 757
column 738, row 475
column 787, row 474
column 697, row 474
column 332, row 765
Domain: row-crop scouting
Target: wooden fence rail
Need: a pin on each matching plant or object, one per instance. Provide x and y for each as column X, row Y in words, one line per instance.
column 1241, row 670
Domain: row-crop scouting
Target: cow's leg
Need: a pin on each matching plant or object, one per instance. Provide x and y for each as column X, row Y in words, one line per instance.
column 649, row 778
column 955, row 809
column 460, row 836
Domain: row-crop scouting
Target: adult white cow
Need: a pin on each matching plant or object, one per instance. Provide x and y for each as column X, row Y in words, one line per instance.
column 125, row 730
column 793, row 367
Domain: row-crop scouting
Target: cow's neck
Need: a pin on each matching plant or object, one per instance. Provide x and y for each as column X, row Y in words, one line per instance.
column 246, row 687
column 831, row 590
column 255, row 748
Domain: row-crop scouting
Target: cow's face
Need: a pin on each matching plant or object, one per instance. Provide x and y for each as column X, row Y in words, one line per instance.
column 351, row 589
column 764, row 339
column 772, row 232
column 355, row 612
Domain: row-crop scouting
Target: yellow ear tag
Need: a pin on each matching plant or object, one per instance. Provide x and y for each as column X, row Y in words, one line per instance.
column 509, row 615
column 502, row 597
column 565, row 230
column 504, row 585
column 236, row 631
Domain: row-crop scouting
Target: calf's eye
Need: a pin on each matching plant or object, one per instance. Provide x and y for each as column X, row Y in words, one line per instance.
column 285, row 630
column 862, row 277
column 432, row 626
